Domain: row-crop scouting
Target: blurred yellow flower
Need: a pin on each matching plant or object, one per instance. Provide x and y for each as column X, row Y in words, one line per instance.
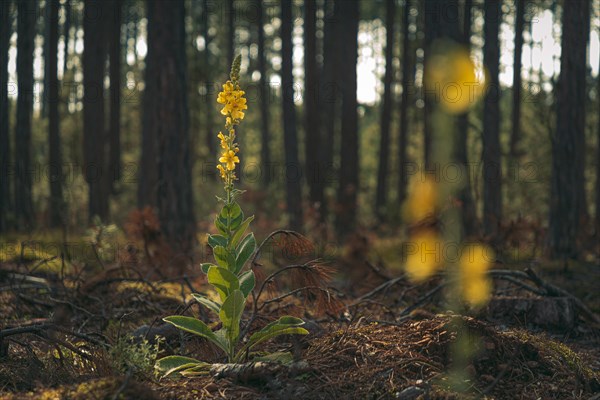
column 229, row 159
column 421, row 200
column 474, row 263
column 425, row 256
column 222, row 172
column 454, row 79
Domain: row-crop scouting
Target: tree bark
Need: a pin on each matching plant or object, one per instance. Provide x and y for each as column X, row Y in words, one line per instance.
column 265, row 151
column 517, row 80
column 311, row 109
column 94, row 138
column 492, row 168
column 349, row 162
column 293, row 172
column 568, row 141
column 169, row 122
column 386, row 114
column 469, row 212
column 407, row 75
column 5, row 182
column 114, row 157
column 27, row 11
column 55, row 158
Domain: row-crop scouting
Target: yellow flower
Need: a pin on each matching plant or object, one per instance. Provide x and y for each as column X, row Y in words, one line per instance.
column 225, row 96
column 223, row 140
column 425, row 256
column 235, row 106
column 474, row 263
column 222, row 171
column 453, row 78
column 229, row 159
column 422, row 199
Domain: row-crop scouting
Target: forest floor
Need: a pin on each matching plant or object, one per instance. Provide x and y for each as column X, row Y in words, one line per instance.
column 384, row 339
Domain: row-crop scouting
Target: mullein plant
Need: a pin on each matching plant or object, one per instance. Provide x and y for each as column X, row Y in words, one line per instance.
column 232, row 248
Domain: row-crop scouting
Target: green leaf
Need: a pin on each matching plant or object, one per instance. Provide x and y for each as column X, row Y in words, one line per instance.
column 221, row 226
column 224, row 257
column 282, row 357
column 206, row 266
column 236, row 222
column 247, row 282
column 198, row 370
column 239, row 233
column 195, row 326
column 283, row 326
column 171, row 364
column 245, row 251
column 217, row 240
column 206, row 302
column 231, row 313
column 224, row 281
column 230, row 211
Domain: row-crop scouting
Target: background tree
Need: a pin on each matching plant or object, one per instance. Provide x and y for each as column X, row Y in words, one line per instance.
column 114, row 156
column 517, row 80
column 265, row 151
column 492, row 167
column 5, row 183
column 407, row 75
column 568, row 139
column 311, row 110
column 386, row 113
column 67, row 33
column 54, row 142
column 94, row 137
column 169, row 121
column 469, row 213
column 348, row 177
column 292, row 167
column 26, row 14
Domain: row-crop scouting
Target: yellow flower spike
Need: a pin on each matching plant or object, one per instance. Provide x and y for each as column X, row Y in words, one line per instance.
column 229, row 159
column 222, row 172
column 425, row 256
column 474, row 263
column 422, row 199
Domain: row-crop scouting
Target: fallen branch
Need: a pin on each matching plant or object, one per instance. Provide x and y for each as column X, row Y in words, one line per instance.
column 257, row 371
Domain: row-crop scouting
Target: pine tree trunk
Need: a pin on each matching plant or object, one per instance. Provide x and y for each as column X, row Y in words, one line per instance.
column 311, row 107
column 349, row 162
column 169, row 122
column 94, row 138
column 293, row 172
column 492, row 169
column 5, row 183
column 27, row 11
column 407, row 75
column 328, row 98
column 55, row 159
column 386, row 114
column 114, row 157
column 517, row 81
column 469, row 212
column 568, row 140
column 265, row 151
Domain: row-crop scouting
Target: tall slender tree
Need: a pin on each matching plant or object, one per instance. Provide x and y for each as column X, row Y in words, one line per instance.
column 94, row 138
column 469, row 214
column 348, row 179
column 5, row 183
column 27, row 11
column 517, row 80
column 168, row 119
column 114, row 156
column 311, row 107
column 208, row 121
column 265, row 151
column 67, row 33
column 492, row 169
column 407, row 75
column 568, row 139
column 292, row 166
column 55, row 159
column 597, row 221
column 386, row 113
